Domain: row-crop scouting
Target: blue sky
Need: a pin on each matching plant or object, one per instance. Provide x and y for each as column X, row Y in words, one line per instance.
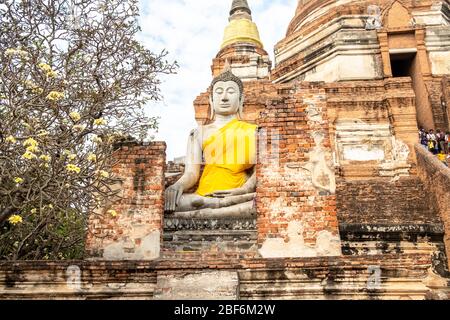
column 192, row 31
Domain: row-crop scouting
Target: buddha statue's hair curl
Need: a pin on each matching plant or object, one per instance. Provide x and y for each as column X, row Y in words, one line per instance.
column 229, row 76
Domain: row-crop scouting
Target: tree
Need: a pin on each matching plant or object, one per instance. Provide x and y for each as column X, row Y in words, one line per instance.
column 73, row 80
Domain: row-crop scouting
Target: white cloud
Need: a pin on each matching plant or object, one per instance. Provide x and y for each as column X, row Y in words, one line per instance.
column 192, row 31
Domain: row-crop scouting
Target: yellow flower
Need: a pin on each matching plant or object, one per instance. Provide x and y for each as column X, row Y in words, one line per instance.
column 92, row 157
column 112, row 212
column 37, row 90
column 13, row 52
column 55, row 96
column 2, row 96
column 103, row 174
column 73, row 168
column 45, row 158
column 18, row 180
column 33, row 211
column 32, row 149
column 29, row 84
column 51, row 74
column 79, row 127
column 11, row 139
column 28, row 155
column 30, row 142
column 99, row 121
column 97, row 139
column 71, row 157
column 75, row 116
column 15, row 219
column 50, row 206
column 33, row 87
column 10, row 52
column 45, row 67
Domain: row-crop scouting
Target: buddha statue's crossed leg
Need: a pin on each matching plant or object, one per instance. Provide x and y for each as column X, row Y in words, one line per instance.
column 241, row 210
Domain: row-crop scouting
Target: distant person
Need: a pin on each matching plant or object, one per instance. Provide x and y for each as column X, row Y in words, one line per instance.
column 447, row 142
column 440, row 139
column 423, row 137
column 442, row 157
column 431, row 141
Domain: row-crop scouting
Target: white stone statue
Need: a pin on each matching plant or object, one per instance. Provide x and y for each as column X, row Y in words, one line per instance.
column 226, row 146
column 373, row 22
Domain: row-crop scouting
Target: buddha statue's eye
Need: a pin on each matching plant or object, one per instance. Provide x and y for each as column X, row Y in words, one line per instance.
column 219, row 91
column 231, row 90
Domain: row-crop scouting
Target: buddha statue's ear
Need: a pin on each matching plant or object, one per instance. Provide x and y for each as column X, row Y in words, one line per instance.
column 211, row 108
column 241, row 108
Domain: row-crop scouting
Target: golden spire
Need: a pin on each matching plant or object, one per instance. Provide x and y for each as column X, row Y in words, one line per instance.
column 241, row 27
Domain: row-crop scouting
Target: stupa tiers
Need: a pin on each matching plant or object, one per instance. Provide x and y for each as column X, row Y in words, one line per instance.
column 347, row 205
column 242, row 46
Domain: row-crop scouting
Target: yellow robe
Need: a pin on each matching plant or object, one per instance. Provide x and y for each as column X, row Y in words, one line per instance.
column 228, row 153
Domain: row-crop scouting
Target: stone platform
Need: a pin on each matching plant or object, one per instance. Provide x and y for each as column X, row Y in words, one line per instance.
column 195, row 234
column 228, row 276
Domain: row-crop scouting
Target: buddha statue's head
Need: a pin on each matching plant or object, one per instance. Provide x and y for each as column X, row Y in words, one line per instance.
column 227, row 95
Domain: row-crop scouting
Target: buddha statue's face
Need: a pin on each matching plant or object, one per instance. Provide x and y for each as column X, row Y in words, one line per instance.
column 226, row 98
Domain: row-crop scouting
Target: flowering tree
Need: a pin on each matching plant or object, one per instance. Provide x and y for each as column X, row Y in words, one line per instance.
column 73, row 80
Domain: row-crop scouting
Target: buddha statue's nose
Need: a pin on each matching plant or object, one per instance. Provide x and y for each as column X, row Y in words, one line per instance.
column 225, row 97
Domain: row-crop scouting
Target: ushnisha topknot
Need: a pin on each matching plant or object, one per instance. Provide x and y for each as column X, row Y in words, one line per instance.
column 229, row 76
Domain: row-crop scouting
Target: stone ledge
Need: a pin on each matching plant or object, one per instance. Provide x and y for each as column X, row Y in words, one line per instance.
column 193, row 260
column 177, row 224
column 422, row 229
column 319, row 277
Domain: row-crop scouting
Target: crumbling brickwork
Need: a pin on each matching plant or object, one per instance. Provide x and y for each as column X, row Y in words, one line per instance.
column 135, row 232
column 295, row 191
column 437, row 94
column 436, row 178
column 445, row 100
column 381, row 201
column 373, row 127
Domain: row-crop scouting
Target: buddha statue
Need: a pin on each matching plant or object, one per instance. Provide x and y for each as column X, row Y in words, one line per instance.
column 226, row 146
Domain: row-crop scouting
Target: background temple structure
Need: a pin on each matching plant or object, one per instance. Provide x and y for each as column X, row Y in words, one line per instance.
column 348, row 205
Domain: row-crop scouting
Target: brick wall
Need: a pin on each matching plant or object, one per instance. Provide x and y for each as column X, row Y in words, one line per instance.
column 295, row 216
column 436, row 178
column 381, row 201
column 437, row 89
column 446, row 99
column 135, row 232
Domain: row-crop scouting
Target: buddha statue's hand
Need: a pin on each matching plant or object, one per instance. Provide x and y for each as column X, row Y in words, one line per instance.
column 172, row 197
column 228, row 193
